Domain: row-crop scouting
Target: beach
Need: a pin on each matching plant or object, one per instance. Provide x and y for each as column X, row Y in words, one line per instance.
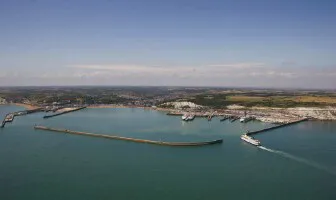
column 26, row 106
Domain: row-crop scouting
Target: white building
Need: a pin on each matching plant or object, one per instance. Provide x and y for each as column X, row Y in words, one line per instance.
column 3, row 101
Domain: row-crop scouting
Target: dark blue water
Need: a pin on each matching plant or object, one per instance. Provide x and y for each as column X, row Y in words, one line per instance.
column 299, row 162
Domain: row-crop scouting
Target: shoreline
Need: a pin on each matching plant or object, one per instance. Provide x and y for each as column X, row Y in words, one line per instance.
column 116, row 106
column 264, row 114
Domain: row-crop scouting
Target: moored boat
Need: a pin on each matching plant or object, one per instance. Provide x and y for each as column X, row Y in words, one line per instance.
column 209, row 117
column 190, row 117
column 184, row 117
column 223, row 119
column 234, row 119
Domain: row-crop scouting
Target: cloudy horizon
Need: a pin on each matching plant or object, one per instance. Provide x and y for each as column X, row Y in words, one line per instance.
column 219, row 75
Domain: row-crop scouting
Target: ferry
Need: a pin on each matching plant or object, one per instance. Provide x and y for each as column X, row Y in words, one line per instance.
column 250, row 140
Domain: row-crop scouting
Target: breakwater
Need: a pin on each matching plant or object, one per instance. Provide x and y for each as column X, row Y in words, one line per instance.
column 276, row 127
column 130, row 139
column 33, row 110
column 61, row 113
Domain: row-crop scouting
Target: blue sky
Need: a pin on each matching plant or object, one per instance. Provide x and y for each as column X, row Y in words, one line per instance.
column 262, row 43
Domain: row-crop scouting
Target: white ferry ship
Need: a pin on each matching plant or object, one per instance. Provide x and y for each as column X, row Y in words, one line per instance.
column 250, row 140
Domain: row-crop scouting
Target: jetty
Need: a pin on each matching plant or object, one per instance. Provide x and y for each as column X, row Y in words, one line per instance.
column 224, row 118
column 31, row 111
column 276, row 127
column 61, row 113
column 235, row 118
column 10, row 116
column 130, row 139
column 247, row 137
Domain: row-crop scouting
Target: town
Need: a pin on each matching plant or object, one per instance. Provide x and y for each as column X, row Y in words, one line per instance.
column 269, row 105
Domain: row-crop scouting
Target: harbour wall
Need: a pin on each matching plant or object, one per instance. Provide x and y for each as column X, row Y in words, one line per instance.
column 10, row 116
column 61, row 113
column 131, row 139
column 276, row 127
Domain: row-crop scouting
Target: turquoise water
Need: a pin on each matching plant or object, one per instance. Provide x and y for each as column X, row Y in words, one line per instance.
column 298, row 162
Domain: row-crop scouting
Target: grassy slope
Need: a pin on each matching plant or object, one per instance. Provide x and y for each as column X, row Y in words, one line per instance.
column 221, row 100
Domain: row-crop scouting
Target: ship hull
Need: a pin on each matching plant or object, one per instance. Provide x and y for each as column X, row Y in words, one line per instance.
column 251, row 141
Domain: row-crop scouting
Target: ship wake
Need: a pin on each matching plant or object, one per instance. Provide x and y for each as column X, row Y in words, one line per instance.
column 301, row 160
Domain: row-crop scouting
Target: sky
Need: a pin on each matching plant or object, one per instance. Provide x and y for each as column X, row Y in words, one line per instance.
column 229, row 43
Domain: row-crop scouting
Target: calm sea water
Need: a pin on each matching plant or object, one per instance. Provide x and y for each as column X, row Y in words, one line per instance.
column 298, row 162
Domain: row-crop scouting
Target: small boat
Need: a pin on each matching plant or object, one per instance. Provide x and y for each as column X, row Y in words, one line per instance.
column 249, row 119
column 184, row 117
column 250, row 140
column 190, row 118
column 209, row 117
column 242, row 119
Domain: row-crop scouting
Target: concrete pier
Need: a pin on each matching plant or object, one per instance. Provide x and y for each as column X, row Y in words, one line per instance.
column 224, row 118
column 276, row 127
column 3, row 124
column 235, row 118
column 34, row 110
column 131, row 139
column 8, row 118
column 61, row 113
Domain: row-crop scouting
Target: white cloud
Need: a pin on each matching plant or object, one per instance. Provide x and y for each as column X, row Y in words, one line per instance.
column 240, row 65
column 234, row 74
column 193, row 71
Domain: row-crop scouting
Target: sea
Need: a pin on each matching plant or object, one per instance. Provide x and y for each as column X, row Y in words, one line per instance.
column 294, row 162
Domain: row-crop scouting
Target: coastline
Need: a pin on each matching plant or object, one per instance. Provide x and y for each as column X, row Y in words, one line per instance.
column 116, row 106
column 264, row 114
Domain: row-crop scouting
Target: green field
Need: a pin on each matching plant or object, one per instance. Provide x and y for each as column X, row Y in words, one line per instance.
column 222, row 100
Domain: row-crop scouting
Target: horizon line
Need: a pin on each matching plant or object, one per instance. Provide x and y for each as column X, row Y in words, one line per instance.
column 179, row 86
